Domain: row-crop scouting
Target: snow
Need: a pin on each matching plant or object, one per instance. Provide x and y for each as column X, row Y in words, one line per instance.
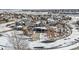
column 4, row 41
column 41, row 27
column 4, row 28
column 69, row 43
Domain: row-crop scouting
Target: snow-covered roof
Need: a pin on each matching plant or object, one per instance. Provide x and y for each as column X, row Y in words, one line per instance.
column 41, row 27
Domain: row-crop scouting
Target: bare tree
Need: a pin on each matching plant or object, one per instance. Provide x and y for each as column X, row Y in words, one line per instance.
column 19, row 43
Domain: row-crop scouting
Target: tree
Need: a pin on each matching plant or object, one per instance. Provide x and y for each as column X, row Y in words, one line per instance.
column 19, row 43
